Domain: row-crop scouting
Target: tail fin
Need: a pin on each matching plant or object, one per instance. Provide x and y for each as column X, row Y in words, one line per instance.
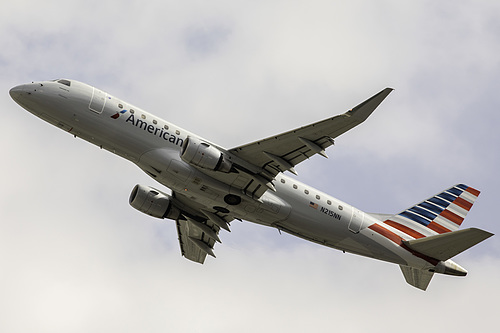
column 439, row 214
column 433, row 229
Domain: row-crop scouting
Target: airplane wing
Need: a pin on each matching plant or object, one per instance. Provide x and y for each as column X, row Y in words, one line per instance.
column 197, row 229
column 282, row 152
column 255, row 165
column 194, row 246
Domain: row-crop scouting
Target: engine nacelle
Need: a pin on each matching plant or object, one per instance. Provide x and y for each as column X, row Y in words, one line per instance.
column 153, row 202
column 203, row 155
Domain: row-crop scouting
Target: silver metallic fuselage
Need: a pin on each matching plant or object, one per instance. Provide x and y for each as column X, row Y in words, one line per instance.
column 153, row 144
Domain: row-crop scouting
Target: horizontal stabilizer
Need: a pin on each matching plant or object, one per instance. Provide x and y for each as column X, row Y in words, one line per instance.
column 448, row 245
column 417, row 277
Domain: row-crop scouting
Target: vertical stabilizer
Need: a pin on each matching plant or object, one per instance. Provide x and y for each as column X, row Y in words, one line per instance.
column 439, row 214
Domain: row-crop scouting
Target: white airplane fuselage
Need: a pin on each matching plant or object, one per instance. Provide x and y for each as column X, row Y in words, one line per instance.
column 154, row 145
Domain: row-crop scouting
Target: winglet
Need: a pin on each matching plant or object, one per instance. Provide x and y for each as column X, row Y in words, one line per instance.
column 365, row 109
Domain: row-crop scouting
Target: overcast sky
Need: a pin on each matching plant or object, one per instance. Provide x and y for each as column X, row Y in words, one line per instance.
column 75, row 257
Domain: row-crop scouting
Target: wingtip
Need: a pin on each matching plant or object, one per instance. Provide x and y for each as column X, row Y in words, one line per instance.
column 363, row 110
column 387, row 90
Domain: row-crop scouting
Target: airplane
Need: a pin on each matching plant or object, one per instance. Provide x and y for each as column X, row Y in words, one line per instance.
column 212, row 186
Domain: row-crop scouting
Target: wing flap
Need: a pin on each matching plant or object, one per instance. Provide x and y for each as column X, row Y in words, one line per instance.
column 196, row 239
column 198, row 228
column 189, row 249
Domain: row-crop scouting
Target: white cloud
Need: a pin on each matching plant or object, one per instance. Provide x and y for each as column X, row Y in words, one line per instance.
column 77, row 257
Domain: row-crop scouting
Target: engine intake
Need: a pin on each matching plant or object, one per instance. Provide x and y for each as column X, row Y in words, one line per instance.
column 203, row 155
column 153, row 202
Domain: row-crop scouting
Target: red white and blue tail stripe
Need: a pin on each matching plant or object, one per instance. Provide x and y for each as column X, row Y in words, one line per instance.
column 433, row 225
column 439, row 214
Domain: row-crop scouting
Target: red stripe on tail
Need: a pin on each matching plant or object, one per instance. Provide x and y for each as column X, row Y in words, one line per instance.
column 473, row 191
column 407, row 230
column 460, row 202
column 437, row 228
column 398, row 240
column 452, row 217
column 386, row 233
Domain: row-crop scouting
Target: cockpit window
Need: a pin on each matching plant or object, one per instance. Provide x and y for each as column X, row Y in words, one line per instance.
column 65, row 82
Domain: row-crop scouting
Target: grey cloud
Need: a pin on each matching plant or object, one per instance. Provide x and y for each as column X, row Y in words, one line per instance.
column 204, row 41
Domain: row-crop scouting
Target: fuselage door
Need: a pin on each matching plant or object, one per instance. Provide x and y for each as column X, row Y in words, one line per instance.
column 97, row 101
column 357, row 219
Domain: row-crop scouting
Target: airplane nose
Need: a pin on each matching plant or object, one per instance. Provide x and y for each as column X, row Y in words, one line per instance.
column 16, row 92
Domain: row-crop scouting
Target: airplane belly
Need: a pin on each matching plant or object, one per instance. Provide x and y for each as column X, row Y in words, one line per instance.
column 165, row 166
column 322, row 230
column 336, row 229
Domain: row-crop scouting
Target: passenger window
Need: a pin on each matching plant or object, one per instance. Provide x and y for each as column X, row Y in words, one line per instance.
column 143, row 116
column 282, row 180
column 317, row 197
column 329, row 202
column 306, row 191
column 155, row 122
column 294, row 186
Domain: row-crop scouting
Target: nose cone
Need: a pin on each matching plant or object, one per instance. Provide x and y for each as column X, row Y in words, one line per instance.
column 17, row 92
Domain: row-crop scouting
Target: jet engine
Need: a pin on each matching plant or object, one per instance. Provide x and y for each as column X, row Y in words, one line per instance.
column 153, row 202
column 204, row 155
